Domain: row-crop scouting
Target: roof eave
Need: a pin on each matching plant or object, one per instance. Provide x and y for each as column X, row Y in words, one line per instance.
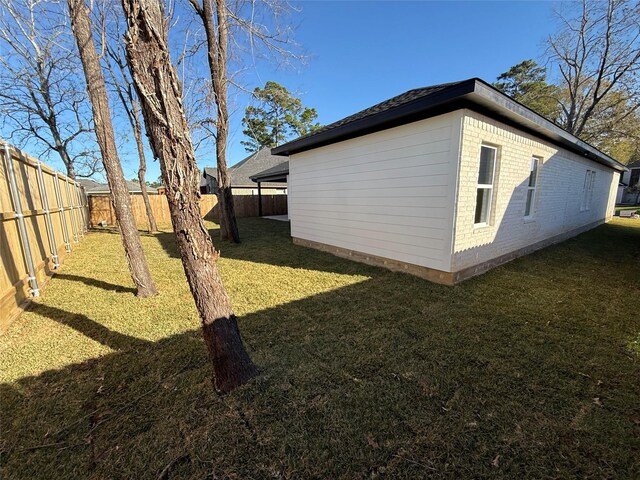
column 409, row 112
column 275, row 178
column 253, row 185
column 474, row 94
column 505, row 108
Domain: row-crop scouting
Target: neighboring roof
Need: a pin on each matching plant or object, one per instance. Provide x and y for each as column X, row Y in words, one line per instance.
column 274, row 174
column 91, row 186
column 474, row 94
column 255, row 163
column 635, row 164
column 211, row 171
column 88, row 184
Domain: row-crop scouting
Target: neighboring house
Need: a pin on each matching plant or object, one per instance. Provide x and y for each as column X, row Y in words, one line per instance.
column 89, row 184
column 629, row 179
column 94, row 188
column 209, row 180
column 241, row 173
column 445, row 182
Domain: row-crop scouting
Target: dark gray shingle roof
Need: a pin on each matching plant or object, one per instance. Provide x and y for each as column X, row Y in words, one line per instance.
column 405, row 100
column 242, row 171
column 421, row 103
column 280, row 170
column 394, row 102
column 91, row 186
column 211, row 171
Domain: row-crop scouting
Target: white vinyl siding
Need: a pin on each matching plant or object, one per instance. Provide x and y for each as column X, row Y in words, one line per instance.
column 388, row 194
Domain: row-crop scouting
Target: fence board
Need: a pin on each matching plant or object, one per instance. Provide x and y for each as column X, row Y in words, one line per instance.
column 101, row 209
column 14, row 275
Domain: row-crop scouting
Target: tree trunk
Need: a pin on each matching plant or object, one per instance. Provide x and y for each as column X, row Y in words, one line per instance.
column 52, row 122
column 62, row 149
column 66, row 159
column 160, row 95
column 137, row 133
column 217, row 59
column 121, row 200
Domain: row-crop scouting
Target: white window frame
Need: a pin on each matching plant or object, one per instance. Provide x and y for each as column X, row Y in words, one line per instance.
column 632, row 171
column 533, row 190
column 587, row 190
column 486, row 186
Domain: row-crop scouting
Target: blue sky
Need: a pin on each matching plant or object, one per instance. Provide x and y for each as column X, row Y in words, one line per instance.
column 364, row 52
column 360, row 53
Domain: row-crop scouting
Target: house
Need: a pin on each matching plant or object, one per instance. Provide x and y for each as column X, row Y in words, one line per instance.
column 241, row 173
column 629, row 179
column 445, row 182
column 95, row 188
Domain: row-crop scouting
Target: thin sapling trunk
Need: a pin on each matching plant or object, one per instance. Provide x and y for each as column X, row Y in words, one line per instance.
column 81, row 26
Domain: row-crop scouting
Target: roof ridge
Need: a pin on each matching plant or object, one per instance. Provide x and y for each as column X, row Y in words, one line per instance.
column 438, row 85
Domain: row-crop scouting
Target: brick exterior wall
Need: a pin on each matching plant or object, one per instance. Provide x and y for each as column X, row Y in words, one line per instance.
column 558, row 198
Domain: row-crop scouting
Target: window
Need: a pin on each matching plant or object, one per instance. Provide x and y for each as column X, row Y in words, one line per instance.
column 531, row 187
column 484, row 190
column 587, row 190
column 635, row 177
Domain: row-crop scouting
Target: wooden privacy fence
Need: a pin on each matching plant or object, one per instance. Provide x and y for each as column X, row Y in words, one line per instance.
column 101, row 209
column 42, row 215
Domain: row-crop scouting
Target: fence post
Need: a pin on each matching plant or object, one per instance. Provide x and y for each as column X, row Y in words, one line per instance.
column 79, row 214
column 78, row 203
column 22, row 226
column 74, row 227
column 87, row 208
column 47, row 216
column 83, row 208
column 63, row 220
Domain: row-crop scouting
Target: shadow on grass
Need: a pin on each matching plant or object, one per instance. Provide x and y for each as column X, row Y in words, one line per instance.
column 142, row 231
column 269, row 242
column 89, row 328
column 93, row 282
column 392, row 376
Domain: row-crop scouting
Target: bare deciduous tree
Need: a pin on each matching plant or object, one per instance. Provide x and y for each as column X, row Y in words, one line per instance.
column 39, row 100
column 124, row 89
column 160, row 94
column 216, row 27
column 82, row 31
column 597, row 52
column 232, row 29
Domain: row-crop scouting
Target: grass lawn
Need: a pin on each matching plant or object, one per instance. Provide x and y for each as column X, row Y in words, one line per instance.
column 529, row 371
column 636, row 207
